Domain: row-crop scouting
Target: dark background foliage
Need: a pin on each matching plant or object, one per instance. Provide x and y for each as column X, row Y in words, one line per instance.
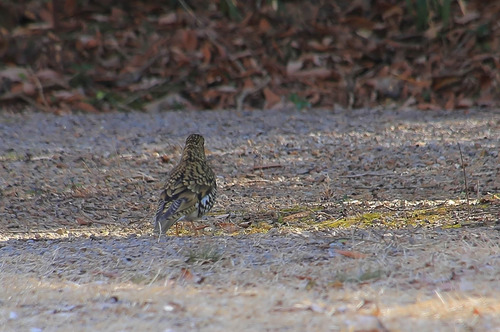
column 95, row 56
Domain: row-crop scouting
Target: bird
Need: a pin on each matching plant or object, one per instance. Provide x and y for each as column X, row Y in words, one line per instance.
column 190, row 189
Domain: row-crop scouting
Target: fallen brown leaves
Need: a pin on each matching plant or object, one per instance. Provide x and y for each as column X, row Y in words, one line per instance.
column 351, row 254
column 62, row 56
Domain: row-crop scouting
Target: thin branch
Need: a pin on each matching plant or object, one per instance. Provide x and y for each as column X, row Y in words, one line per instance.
column 367, row 174
column 190, row 12
column 40, row 88
column 465, row 177
column 249, row 91
column 257, row 167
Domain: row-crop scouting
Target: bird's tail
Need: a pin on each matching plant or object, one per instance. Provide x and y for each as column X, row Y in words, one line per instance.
column 163, row 225
column 164, row 216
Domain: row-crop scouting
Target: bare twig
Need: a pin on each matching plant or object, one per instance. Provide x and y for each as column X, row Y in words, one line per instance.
column 34, row 103
column 259, row 180
column 190, row 12
column 246, row 92
column 102, row 222
column 40, row 88
column 465, row 177
column 478, row 194
column 257, row 167
column 367, row 174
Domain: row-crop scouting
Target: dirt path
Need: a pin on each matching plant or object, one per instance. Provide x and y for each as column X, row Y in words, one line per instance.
column 325, row 221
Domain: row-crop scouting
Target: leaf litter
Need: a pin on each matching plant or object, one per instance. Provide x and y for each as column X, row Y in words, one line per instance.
column 63, row 56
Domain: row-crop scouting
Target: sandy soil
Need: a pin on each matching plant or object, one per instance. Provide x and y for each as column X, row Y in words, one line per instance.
column 331, row 221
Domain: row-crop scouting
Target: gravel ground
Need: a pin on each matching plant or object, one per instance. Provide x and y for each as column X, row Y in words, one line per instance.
column 345, row 220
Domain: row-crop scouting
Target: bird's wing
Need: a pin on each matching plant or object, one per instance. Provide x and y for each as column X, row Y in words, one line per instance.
column 170, row 198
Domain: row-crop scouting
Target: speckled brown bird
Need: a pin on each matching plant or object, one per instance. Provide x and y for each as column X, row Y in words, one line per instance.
column 190, row 188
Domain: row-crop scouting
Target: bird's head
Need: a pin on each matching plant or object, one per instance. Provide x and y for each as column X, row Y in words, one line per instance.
column 195, row 140
column 195, row 146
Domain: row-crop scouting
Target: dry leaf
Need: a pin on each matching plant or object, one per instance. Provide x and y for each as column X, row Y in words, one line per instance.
column 264, row 26
column 351, row 254
column 470, row 16
column 189, row 40
column 86, row 107
column 313, row 73
column 14, row 74
column 83, row 222
column 207, row 53
column 294, row 66
column 167, row 19
column 28, row 89
column 228, row 227
column 465, row 103
column 186, row 274
column 271, row 98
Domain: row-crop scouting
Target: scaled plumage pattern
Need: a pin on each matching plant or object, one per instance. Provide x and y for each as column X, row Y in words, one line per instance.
column 190, row 188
